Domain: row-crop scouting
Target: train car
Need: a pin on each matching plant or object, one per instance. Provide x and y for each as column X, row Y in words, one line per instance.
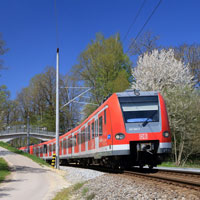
column 130, row 128
column 25, row 149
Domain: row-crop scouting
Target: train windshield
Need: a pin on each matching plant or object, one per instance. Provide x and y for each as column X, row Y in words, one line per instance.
column 140, row 109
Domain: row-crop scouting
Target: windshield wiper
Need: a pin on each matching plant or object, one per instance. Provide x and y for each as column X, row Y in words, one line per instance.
column 147, row 120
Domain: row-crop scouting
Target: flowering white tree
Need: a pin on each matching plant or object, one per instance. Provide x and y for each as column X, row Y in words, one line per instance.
column 159, row 69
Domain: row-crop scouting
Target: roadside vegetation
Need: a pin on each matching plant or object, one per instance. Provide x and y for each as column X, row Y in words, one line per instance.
column 76, row 190
column 4, row 169
column 32, row 157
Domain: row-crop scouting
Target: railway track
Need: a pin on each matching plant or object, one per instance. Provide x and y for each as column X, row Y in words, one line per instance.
column 189, row 180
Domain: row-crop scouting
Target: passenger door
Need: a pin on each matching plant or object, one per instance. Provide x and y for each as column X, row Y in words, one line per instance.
column 96, row 134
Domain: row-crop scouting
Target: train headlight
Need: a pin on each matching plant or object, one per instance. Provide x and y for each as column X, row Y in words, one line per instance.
column 119, row 136
column 166, row 134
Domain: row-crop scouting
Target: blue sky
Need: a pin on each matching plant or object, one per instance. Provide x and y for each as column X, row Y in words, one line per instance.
column 29, row 30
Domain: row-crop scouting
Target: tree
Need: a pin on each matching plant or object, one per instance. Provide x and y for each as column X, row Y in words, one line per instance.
column 4, row 98
column 103, row 66
column 183, row 106
column 190, row 54
column 147, row 42
column 160, row 70
column 38, row 101
column 3, row 50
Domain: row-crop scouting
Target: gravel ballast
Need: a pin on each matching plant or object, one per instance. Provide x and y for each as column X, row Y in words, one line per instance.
column 99, row 185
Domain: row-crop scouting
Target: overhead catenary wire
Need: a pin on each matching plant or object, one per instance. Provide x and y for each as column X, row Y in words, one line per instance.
column 148, row 19
column 134, row 20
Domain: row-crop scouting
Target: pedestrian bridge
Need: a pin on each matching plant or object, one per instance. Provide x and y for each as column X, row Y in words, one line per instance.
column 11, row 133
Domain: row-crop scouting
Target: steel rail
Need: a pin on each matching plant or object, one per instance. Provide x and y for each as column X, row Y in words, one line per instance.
column 179, row 180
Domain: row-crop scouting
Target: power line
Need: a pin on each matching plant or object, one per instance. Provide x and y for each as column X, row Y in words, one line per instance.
column 134, row 20
column 56, row 17
column 152, row 13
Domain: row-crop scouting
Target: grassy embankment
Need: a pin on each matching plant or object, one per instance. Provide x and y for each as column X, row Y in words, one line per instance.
column 66, row 194
column 4, row 169
column 32, row 157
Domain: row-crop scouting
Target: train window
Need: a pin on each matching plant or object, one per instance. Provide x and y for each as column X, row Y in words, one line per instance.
column 83, row 136
column 34, row 150
column 100, row 126
column 64, row 144
column 104, row 116
column 140, row 112
column 89, row 133
column 45, row 148
column 79, row 138
column 75, row 140
column 61, row 145
column 92, row 130
column 86, row 134
column 96, row 128
column 54, row 147
column 70, row 142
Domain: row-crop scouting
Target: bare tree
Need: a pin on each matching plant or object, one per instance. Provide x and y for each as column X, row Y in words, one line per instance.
column 190, row 54
column 145, row 43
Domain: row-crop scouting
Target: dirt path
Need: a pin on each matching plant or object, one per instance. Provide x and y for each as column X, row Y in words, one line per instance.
column 29, row 180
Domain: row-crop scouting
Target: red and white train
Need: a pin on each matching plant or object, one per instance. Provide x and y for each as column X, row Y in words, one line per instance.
column 130, row 128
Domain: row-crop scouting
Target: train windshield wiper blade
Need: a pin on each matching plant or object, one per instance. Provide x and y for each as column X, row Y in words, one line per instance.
column 147, row 120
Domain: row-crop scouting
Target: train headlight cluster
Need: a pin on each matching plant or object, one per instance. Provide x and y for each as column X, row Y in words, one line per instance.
column 166, row 134
column 119, row 136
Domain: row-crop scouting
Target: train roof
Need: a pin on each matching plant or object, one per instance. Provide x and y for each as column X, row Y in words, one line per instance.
column 129, row 93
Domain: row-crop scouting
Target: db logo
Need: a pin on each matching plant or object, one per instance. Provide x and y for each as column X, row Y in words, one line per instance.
column 143, row 136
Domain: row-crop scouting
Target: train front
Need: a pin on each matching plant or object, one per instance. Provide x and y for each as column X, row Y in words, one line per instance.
column 147, row 131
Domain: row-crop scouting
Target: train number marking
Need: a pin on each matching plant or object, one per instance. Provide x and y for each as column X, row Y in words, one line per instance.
column 143, row 136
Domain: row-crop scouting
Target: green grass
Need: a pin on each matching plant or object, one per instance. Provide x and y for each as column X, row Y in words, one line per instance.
column 77, row 186
column 63, row 194
column 167, row 164
column 85, row 191
column 66, row 193
column 189, row 164
column 32, row 157
column 90, row 197
column 4, row 169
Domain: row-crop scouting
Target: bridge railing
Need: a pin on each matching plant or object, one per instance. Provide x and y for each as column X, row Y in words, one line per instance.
column 23, row 129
